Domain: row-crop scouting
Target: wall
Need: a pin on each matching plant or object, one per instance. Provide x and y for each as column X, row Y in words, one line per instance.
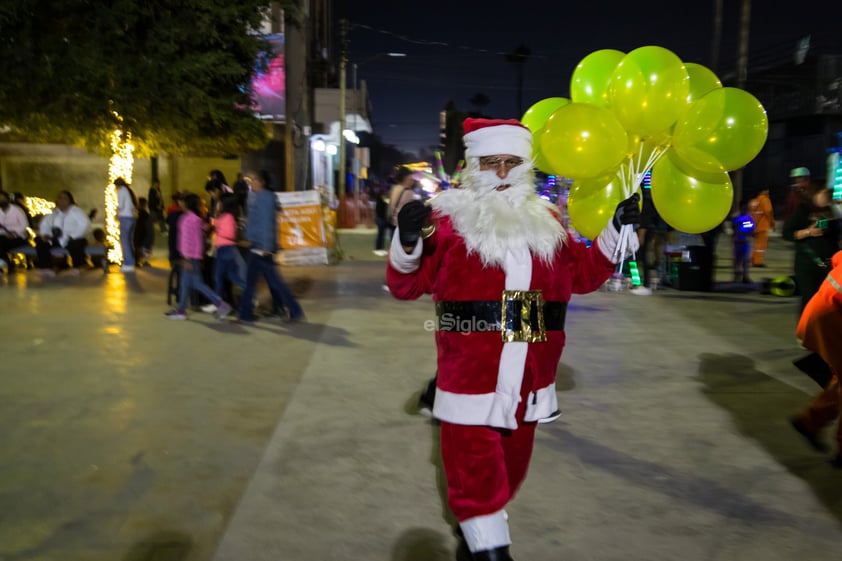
column 42, row 170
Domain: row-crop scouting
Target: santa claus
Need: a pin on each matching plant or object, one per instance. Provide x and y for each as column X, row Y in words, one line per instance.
column 501, row 269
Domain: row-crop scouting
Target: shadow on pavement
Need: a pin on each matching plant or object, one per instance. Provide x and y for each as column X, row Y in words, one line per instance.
column 411, row 408
column 760, row 406
column 678, row 485
column 313, row 332
column 422, row 544
column 163, row 546
column 721, row 296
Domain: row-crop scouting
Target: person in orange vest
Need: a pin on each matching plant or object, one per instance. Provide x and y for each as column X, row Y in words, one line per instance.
column 820, row 330
column 760, row 209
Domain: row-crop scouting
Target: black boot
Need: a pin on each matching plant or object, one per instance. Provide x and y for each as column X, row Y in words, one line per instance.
column 496, row 554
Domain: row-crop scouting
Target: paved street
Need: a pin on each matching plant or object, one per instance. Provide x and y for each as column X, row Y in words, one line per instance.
column 129, row 437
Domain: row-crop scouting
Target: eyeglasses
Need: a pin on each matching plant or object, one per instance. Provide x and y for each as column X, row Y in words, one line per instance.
column 496, row 163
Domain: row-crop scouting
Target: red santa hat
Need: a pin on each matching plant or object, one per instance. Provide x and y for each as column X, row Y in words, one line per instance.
column 486, row 137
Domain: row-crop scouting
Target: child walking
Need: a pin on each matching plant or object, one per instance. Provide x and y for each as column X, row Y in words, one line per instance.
column 743, row 227
column 228, row 262
column 191, row 246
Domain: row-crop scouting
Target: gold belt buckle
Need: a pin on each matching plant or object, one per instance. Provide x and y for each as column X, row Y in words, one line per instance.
column 529, row 299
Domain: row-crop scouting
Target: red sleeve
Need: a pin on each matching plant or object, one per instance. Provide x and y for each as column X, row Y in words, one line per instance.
column 591, row 268
column 411, row 285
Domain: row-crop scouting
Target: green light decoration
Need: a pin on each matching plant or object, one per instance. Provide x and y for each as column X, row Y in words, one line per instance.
column 635, row 273
column 834, row 171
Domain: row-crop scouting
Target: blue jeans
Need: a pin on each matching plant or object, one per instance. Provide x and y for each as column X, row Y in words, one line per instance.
column 127, row 239
column 281, row 294
column 191, row 279
column 227, row 267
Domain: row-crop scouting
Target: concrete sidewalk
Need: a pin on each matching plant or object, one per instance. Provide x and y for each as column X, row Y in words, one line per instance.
column 673, row 443
column 130, row 437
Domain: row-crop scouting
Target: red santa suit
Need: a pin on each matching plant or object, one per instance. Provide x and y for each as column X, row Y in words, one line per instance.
column 493, row 383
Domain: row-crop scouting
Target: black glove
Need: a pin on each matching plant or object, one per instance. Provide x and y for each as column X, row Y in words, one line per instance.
column 411, row 218
column 628, row 212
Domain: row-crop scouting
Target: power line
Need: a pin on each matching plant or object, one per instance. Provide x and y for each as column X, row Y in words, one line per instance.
column 429, row 42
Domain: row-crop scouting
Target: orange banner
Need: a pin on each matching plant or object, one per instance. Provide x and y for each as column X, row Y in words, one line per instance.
column 301, row 227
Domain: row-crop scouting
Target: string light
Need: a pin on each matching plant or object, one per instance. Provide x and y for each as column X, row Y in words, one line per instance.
column 36, row 206
column 120, row 164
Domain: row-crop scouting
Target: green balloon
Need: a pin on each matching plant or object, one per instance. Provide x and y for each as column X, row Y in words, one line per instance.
column 691, row 204
column 537, row 115
column 589, row 83
column 702, row 81
column 648, row 90
column 592, row 202
column 540, row 162
column 581, row 140
column 722, row 131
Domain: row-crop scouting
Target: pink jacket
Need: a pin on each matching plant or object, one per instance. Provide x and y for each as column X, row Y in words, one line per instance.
column 191, row 237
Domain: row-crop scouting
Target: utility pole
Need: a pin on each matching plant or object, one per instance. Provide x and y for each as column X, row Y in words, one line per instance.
column 742, row 75
column 343, row 62
column 716, row 40
column 518, row 58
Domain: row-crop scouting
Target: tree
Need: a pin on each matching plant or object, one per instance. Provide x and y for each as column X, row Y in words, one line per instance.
column 176, row 73
column 479, row 101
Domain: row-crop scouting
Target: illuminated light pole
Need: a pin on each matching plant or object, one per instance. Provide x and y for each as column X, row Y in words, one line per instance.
column 343, row 64
column 343, row 61
column 120, row 164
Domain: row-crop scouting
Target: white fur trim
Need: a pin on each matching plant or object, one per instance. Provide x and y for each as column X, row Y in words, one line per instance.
column 509, row 380
column 472, row 409
column 485, row 532
column 499, row 139
column 608, row 240
column 518, row 267
column 402, row 261
column 465, row 409
column 541, row 404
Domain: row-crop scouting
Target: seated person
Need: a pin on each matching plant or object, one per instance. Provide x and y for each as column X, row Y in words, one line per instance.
column 65, row 229
column 13, row 234
column 98, row 251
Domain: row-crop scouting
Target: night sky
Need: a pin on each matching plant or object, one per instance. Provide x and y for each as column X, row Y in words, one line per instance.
column 457, row 49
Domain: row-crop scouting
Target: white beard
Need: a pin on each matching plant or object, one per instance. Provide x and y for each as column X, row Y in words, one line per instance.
column 495, row 222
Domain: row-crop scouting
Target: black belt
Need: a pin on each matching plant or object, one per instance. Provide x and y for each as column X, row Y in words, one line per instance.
column 520, row 316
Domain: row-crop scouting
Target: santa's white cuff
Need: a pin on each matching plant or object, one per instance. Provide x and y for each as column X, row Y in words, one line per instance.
column 402, row 261
column 485, row 532
column 609, row 239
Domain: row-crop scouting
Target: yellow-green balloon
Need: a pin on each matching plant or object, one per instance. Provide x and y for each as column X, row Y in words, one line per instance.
column 581, row 140
column 536, row 116
column 592, row 202
column 589, row 83
column 702, row 81
column 722, row 131
column 648, row 91
column 642, row 149
column 690, row 204
column 540, row 161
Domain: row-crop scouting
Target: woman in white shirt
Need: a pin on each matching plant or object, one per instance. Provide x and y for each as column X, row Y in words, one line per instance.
column 126, row 216
column 66, row 228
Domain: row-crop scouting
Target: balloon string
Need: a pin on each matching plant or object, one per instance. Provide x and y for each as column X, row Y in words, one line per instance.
column 626, row 231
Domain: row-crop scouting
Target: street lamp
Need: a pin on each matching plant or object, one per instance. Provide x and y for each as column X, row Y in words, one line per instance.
column 372, row 58
column 343, row 63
